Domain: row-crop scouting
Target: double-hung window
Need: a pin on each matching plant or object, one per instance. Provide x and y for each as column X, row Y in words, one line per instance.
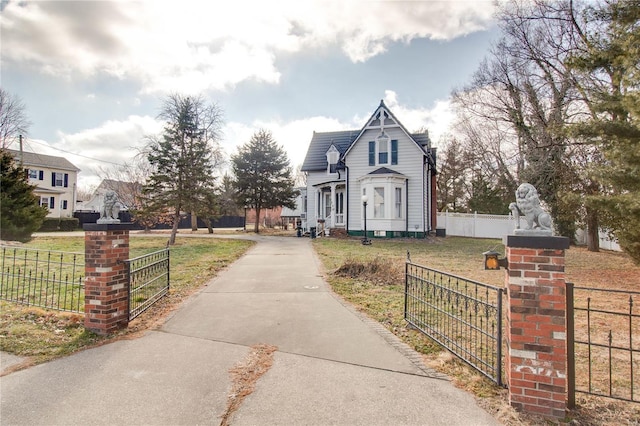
column 398, row 203
column 383, row 150
column 378, row 203
column 59, row 179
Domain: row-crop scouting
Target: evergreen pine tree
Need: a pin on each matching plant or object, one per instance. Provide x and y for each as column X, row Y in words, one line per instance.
column 263, row 176
column 183, row 158
column 609, row 70
column 20, row 211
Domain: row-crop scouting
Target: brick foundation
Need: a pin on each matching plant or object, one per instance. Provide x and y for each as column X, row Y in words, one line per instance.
column 106, row 293
column 536, row 361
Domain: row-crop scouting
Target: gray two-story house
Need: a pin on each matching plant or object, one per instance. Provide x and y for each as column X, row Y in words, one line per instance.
column 382, row 164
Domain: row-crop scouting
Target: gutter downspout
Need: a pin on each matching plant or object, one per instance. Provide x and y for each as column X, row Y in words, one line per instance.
column 406, row 208
column 346, row 180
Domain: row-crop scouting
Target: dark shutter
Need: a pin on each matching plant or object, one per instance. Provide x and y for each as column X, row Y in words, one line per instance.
column 66, row 180
column 41, row 175
column 64, row 204
column 53, row 178
column 394, row 151
column 372, row 153
column 52, row 202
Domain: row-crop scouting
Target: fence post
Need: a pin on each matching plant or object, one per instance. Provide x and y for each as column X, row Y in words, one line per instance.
column 106, row 291
column 536, row 332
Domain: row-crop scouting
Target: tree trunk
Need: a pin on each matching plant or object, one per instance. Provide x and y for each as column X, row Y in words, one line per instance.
column 194, row 221
column 174, row 229
column 209, row 225
column 256, row 227
column 593, row 228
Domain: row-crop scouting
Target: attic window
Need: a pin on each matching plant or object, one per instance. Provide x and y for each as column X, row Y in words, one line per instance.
column 333, row 155
column 383, row 148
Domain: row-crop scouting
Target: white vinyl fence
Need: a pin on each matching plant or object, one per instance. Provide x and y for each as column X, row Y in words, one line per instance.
column 476, row 225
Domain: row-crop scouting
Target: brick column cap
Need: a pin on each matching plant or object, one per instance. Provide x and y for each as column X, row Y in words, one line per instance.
column 535, row 242
column 126, row 226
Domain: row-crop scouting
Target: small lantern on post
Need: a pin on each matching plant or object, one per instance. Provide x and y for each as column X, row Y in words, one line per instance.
column 493, row 262
column 365, row 241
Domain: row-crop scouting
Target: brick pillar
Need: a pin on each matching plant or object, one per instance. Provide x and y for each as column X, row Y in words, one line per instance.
column 536, row 359
column 106, row 291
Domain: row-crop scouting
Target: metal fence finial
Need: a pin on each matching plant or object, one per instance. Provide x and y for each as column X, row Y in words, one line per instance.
column 408, row 257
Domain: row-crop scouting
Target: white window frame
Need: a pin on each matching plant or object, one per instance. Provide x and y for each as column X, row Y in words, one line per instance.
column 59, row 179
column 378, row 202
column 386, row 151
column 398, row 202
column 33, row 174
column 44, row 202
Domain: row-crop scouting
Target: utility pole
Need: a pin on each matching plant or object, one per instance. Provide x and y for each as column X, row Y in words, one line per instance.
column 21, row 159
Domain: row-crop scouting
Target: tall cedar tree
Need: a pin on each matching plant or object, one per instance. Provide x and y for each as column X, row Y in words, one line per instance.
column 263, row 176
column 20, row 210
column 184, row 157
column 609, row 70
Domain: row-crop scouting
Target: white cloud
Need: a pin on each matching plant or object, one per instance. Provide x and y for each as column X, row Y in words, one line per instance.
column 295, row 135
column 192, row 45
column 437, row 120
column 102, row 148
column 117, row 142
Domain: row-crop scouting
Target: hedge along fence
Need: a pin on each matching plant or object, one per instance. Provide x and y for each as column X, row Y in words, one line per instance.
column 52, row 224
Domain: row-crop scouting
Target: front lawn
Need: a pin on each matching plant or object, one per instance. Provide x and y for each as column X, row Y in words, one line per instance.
column 42, row 335
column 372, row 278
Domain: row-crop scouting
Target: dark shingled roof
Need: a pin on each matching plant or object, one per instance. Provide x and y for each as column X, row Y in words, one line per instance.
column 40, row 160
column 384, row 171
column 316, row 158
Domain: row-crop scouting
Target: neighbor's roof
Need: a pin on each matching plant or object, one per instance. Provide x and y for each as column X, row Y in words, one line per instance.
column 32, row 159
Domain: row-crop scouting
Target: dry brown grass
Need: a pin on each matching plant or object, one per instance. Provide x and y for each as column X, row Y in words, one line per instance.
column 368, row 278
column 245, row 375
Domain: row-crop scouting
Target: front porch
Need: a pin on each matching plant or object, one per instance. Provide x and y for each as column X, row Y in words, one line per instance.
column 331, row 206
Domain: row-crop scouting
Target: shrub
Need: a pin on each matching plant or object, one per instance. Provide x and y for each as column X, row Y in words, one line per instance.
column 69, row 224
column 50, row 224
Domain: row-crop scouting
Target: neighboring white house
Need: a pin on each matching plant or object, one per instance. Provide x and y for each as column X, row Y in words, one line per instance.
column 55, row 179
column 293, row 216
column 382, row 163
column 127, row 193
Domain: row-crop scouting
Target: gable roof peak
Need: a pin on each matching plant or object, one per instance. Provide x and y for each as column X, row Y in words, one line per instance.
column 382, row 103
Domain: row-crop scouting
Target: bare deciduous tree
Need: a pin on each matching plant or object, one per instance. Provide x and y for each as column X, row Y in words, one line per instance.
column 13, row 118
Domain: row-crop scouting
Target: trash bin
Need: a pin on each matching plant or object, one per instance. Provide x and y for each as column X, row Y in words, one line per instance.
column 313, row 231
column 299, row 231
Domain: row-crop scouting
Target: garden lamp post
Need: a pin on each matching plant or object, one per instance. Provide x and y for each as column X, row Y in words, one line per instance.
column 365, row 241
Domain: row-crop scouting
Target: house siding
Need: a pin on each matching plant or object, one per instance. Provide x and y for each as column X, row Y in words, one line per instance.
column 406, row 168
column 45, row 167
column 410, row 164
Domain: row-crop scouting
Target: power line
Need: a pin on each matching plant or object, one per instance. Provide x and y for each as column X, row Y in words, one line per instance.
column 73, row 153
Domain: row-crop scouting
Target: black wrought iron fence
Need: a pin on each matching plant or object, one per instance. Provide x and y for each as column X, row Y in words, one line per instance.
column 44, row 278
column 463, row 315
column 603, row 326
column 148, row 280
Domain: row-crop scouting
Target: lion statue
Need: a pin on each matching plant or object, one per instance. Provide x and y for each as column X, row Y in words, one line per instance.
column 527, row 205
column 110, row 208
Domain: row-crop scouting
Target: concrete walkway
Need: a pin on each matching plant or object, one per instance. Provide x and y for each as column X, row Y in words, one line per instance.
column 332, row 365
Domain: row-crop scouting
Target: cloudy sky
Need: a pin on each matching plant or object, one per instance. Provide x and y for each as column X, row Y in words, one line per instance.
column 92, row 74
